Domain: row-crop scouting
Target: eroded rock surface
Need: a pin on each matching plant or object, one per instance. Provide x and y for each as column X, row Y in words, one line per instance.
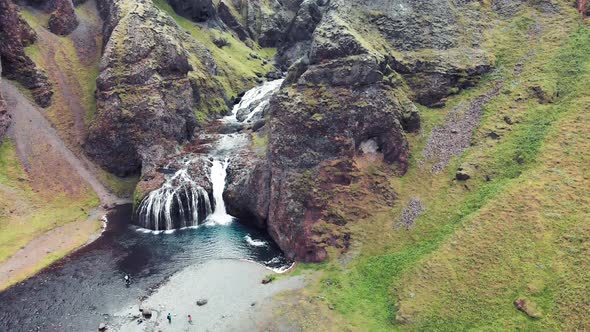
column 63, row 19
column 15, row 35
column 350, row 60
column 145, row 97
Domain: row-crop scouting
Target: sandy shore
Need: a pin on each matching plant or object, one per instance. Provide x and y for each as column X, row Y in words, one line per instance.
column 237, row 301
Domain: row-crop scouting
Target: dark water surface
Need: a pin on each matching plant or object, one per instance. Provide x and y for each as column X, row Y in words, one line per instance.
column 82, row 290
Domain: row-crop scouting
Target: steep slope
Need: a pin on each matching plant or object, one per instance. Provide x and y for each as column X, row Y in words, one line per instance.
column 161, row 75
column 15, row 35
column 493, row 239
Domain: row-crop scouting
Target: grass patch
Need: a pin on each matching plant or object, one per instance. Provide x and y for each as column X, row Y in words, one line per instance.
column 481, row 245
column 24, row 214
column 122, row 187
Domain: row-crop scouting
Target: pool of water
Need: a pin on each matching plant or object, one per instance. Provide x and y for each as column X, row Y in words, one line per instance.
column 84, row 289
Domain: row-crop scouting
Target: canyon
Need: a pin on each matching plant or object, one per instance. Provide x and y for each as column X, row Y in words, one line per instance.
column 371, row 137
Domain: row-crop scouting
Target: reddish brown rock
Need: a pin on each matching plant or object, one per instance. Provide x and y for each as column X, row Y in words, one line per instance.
column 15, row 35
column 63, row 19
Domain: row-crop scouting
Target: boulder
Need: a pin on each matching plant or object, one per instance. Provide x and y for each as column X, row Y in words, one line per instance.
column 63, row 20
column 146, row 313
column 462, row 175
column 102, row 327
column 202, row 302
column 196, row 10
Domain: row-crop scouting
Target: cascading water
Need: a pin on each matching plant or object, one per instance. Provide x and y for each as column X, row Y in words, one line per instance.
column 181, row 202
column 218, row 175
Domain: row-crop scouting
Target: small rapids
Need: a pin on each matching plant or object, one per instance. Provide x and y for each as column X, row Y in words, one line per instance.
column 254, row 243
column 181, row 202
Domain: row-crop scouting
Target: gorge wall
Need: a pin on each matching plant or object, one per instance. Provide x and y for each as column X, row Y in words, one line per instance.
column 355, row 73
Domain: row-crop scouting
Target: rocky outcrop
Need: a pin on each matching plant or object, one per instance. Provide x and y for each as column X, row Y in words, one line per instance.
column 245, row 173
column 196, row 10
column 311, row 126
column 63, row 19
column 15, row 35
column 4, row 115
column 268, row 21
column 227, row 16
column 343, row 91
column 435, row 77
column 146, row 90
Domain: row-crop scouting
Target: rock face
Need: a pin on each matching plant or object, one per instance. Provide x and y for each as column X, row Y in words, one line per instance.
column 343, row 97
column 227, row 16
column 268, row 21
column 196, row 10
column 145, row 97
column 63, row 19
column 4, row 116
column 15, row 35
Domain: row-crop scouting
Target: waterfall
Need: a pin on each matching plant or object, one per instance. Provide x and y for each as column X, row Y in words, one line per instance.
column 218, row 175
column 179, row 203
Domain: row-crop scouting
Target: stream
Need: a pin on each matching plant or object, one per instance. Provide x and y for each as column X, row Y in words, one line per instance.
column 181, row 231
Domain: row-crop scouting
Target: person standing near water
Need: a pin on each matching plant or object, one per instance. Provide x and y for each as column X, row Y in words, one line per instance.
column 169, row 317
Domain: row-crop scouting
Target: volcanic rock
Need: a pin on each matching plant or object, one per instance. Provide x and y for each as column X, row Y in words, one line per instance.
column 63, row 19
column 145, row 98
column 15, row 35
column 196, row 10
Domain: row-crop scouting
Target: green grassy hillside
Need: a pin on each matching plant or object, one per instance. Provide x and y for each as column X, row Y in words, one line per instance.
column 516, row 230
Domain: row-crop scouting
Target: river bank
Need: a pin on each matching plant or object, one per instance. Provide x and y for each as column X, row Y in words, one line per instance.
column 51, row 246
column 236, row 299
column 86, row 288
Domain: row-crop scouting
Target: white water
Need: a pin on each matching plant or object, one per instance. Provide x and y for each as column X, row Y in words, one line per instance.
column 254, row 243
column 181, row 202
column 218, row 175
column 190, row 201
column 253, row 96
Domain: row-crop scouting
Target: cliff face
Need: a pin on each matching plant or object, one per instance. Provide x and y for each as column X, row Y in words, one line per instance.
column 15, row 35
column 144, row 97
column 355, row 68
column 162, row 75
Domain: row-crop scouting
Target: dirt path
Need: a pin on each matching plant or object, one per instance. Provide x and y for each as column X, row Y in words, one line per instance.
column 49, row 246
column 30, row 130
column 54, row 168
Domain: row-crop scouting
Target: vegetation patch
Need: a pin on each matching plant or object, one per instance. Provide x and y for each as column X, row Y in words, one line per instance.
column 500, row 237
